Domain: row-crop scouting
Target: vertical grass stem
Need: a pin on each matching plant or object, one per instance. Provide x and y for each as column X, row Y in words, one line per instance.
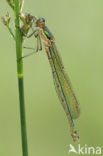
column 20, row 79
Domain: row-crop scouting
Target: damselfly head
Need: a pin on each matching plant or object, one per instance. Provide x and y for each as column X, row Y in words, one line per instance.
column 40, row 22
column 42, row 19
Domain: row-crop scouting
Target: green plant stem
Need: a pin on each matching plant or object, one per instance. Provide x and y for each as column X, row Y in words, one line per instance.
column 20, row 80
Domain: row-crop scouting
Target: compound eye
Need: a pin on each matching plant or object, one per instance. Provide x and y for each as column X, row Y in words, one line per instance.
column 42, row 19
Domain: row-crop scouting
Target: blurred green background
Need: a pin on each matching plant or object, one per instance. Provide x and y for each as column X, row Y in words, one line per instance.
column 78, row 29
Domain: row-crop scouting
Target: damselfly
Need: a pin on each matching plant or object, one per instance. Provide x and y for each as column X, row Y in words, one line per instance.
column 61, row 80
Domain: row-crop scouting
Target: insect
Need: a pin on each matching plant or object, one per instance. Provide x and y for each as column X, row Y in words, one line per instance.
column 61, row 80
